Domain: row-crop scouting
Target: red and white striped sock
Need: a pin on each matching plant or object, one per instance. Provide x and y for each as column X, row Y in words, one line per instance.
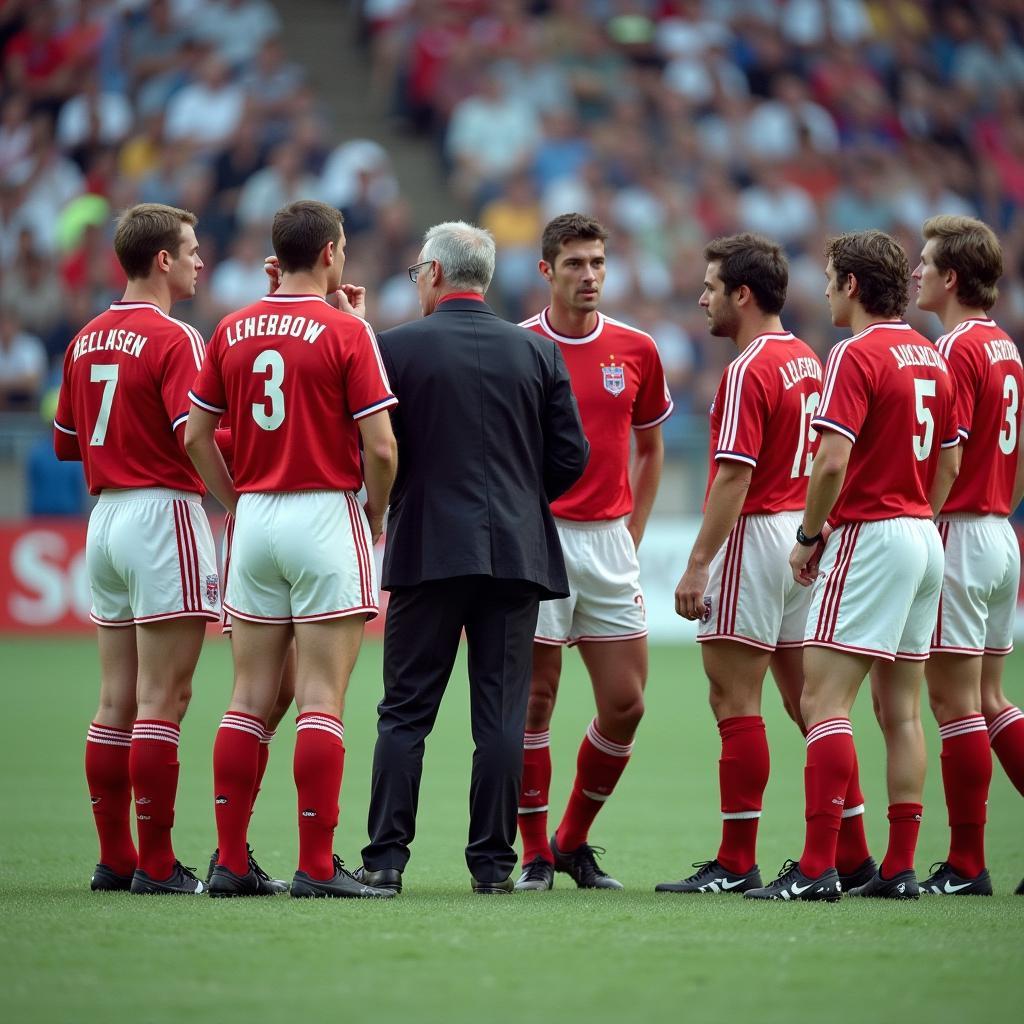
column 533, row 796
column 966, row 762
column 110, row 790
column 830, row 758
column 261, row 767
column 318, row 766
column 599, row 765
column 235, row 767
column 742, row 776
column 1006, row 733
column 153, row 766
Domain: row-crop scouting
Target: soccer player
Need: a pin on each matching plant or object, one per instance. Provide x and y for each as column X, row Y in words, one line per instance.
column 961, row 263
column 150, row 553
column 886, row 460
column 299, row 384
column 620, row 386
column 737, row 582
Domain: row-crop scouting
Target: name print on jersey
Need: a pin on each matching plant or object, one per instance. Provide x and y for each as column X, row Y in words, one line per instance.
column 1000, row 350
column 796, row 370
column 117, row 339
column 273, row 324
column 917, row 355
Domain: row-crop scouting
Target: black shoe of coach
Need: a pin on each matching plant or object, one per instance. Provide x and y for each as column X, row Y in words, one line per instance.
column 502, row 888
column 386, row 878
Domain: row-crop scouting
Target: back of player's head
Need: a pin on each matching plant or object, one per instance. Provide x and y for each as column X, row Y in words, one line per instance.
column 969, row 247
column 465, row 252
column 755, row 261
column 569, row 227
column 300, row 232
column 880, row 266
column 145, row 230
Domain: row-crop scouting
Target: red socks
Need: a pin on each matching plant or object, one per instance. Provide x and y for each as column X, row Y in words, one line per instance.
column 599, row 765
column 966, row 773
column 318, row 767
column 110, row 790
column 153, row 767
column 852, row 846
column 533, row 796
column 235, row 769
column 1006, row 732
column 904, row 824
column 742, row 775
column 830, row 760
column 261, row 764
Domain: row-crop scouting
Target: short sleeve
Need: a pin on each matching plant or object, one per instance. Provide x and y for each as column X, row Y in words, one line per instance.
column 745, row 411
column 182, row 362
column 846, row 393
column 653, row 403
column 207, row 390
column 366, row 382
column 64, row 420
column 952, row 426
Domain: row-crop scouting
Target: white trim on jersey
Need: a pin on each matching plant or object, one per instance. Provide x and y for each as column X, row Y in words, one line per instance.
column 178, row 422
column 376, row 353
column 734, row 374
column 545, row 324
column 65, row 430
column 661, row 419
column 384, row 403
column 821, row 423
column 194, row 337
column 298, row 298
column 196, row 400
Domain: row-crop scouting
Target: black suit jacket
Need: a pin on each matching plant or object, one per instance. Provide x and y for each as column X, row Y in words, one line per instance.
column 488, row 434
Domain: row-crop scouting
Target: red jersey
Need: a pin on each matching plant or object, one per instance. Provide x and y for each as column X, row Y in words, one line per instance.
column 619, row 385
column 989, row 383
column 125, row 394
column 889, row 391
column 762, row 416
column 291, row 375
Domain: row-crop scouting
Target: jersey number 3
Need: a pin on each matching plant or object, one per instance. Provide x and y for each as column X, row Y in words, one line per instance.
column 269, row 414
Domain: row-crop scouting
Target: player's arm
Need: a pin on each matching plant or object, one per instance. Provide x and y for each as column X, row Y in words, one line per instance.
column 201, row 445
column 380, row 463
column 827, row 475
column 644, row 477
column 721, row 511
column 946, row 472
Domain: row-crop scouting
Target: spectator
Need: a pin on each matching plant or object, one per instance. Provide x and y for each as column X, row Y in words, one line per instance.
column 22, row 363
column 282, row 181
column 93, row 117
column 207, row 113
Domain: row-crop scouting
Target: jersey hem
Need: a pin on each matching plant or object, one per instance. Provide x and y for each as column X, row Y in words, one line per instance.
column 196, row 400
column 550, row 641
column 820, row 422
column 851, row 649
column 653, row 423
column 370, row 611
column 142, row 620
column 746, row 640
column 639, row 635
column 385, row 403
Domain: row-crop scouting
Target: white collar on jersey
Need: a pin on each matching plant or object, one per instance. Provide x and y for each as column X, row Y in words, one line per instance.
column 548, row 329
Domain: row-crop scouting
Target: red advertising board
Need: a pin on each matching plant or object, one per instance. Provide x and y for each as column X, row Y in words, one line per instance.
column 44, row 586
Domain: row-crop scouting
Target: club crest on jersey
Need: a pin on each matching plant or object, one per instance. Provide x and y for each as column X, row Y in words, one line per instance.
column 212, row 589
column 613, row 377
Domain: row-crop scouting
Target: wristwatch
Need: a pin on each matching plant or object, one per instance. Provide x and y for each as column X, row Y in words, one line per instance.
column 802, row 538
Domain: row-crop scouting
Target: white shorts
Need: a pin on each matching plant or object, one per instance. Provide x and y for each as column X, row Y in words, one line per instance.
column 878, row 590
column 225, row 561
column 752, row 597
column 979, row 588
column 303, row 556
column 151, row 556
column 605, row 601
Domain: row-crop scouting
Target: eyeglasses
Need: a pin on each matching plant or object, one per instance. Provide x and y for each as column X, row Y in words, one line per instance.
column 414, row 271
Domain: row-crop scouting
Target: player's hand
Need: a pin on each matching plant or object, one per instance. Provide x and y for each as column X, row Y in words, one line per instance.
column 272, row 268
column 376, row 521
column 690, row 593
column 804, row 561
column 351, row 298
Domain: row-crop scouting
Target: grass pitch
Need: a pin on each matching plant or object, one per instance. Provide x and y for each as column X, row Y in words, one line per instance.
column 437, row 953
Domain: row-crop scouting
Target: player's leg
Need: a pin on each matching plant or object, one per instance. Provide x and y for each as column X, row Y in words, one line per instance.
column 1005, row 720
column 896, row 689
column 285, row 697
column 618, row 673
column 954, row 692
column 168, row 652
column 258, row 651
column 536, row 787
column 106, row 758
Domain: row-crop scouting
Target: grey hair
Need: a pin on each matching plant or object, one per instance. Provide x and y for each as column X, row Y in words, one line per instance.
column 465, row 252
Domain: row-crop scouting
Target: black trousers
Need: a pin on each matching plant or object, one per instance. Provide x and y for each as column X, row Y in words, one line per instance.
column 421, row 640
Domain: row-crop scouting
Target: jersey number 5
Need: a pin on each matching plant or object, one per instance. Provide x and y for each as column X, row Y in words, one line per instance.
column 271, row 363
column 105, row 373
column 923, row 444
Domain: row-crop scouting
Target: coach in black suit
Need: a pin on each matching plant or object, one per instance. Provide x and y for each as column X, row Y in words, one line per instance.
column 488, row 434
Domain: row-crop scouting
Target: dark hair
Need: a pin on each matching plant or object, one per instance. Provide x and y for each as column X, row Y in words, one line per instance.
column 570, row 227
column 300, row 232
column 969, row 247
column 755, row 261
column 880, row 266
column 145, row 230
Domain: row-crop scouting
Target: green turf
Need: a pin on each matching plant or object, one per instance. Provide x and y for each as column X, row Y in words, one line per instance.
column 437, row 953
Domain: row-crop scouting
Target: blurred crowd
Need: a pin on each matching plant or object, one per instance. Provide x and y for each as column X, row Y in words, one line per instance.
column 672, row 120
